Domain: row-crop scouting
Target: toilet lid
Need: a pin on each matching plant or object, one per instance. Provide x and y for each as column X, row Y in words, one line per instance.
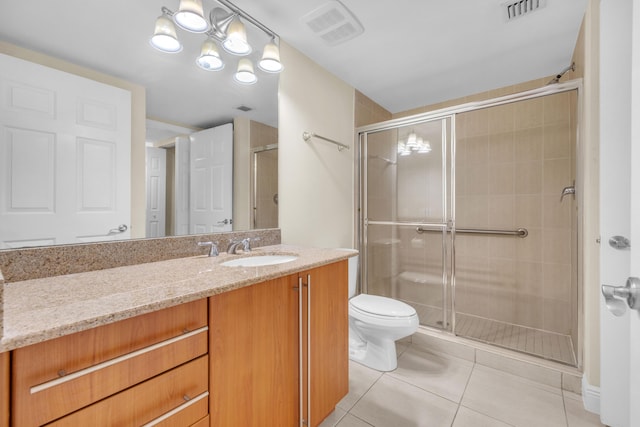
column 382, row 306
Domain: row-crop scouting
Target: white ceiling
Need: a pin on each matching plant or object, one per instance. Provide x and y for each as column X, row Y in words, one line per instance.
column 412, row 52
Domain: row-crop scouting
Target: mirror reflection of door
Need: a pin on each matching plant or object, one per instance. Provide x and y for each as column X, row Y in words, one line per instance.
column 64, row 157
column 211, row 181
column 265, row 186
column 156, row 168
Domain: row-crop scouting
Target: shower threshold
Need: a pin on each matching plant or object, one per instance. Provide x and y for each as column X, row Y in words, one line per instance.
column 548, row 345
column 536, row 342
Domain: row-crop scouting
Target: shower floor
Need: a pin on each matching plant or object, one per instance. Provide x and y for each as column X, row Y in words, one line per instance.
column 547, row 345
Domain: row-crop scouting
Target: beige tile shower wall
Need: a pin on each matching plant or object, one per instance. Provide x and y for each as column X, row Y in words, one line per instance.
column 368, row 111
column 512, row 163
column 262, row 135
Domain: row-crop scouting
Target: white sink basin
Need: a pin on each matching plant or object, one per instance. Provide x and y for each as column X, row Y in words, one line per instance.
column 259, row 260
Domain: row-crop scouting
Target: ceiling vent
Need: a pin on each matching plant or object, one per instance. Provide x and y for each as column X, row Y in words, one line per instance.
column 244, row 108
column 517, row 9
column 333, row 22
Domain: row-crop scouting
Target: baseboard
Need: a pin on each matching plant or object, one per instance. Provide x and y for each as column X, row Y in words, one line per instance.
column 590, row 396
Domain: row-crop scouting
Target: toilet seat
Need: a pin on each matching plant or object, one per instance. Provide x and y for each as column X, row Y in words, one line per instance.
column 381, row 307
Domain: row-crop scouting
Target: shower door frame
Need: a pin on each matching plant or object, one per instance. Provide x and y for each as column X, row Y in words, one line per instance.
column 361, row 141
column 254, row 180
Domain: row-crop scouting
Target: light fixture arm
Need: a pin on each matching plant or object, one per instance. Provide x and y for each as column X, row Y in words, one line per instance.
column 167, row 11
column 220, row 20
column 236, row 10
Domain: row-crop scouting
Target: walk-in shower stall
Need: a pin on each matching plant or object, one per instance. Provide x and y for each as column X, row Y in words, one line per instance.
column 469, row 214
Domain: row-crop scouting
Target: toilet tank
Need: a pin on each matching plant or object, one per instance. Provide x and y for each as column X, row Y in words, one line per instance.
column 353, row 271
column 353, row 275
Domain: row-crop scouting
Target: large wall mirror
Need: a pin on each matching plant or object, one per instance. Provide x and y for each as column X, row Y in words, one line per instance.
column 112, row 39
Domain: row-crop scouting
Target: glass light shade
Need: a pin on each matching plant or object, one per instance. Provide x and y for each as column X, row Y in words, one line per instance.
column 270, row 61
column 190, row 16
column 412, row 140
column 245, row 74
column 164, row 37
column 418, row 144
column 209, row 58
column 425, row 148
column 236, row 41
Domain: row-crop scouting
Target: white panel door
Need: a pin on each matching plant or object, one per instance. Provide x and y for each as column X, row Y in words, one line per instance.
column 64, row 157
column 182, row 181
column 211, row 180
column 156, row 167
column 620, row 208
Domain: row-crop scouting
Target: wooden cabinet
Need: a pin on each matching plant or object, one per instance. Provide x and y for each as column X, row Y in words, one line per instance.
column 260, row 338
column 325, row 339
column 5, row 382
column 253, row 338
column 55, row 378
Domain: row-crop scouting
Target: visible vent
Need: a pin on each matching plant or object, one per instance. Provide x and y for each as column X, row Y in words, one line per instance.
column 333, row 22
column 517, row 9
column 244, row 108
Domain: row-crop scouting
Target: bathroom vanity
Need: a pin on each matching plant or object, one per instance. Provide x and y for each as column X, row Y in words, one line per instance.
column 183, row 342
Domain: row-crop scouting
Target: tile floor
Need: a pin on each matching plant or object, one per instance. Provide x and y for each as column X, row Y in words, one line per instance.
column 435, row 389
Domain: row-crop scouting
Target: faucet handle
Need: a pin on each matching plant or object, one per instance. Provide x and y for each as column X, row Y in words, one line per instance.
column 246, row 243
column 214, row 247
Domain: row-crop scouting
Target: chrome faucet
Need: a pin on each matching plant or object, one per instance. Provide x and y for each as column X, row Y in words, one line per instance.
column 234, row 244
column 214, row 247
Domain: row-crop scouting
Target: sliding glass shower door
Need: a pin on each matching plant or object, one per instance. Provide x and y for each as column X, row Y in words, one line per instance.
column 470, row 215
column 406, row 213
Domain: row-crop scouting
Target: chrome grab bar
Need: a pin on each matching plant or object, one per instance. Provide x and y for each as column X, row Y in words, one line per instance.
column 308, row 135
column 520, row 232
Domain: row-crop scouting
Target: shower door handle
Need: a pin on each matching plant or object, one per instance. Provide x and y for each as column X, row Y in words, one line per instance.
column 568, row 190
column 615, row 296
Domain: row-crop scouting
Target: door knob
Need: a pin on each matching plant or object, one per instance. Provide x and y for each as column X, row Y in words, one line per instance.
column 121, row 229
column 615, row 296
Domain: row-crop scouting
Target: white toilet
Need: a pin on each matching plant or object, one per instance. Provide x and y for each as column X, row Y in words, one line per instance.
column 375, row 323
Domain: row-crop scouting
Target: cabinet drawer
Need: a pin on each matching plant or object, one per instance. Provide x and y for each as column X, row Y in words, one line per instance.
column 54, row 378
column 176, row 398
column 203, row 422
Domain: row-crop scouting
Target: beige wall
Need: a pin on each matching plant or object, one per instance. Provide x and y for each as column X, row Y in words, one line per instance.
column 241, row 173
column 138, row 128
column 316, row 199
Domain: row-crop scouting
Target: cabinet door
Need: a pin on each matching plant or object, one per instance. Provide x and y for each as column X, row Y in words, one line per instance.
column 254, row 355
column 327, row 351
column 4, row 389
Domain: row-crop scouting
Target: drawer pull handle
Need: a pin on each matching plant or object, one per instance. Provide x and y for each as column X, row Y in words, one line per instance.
column 99, row 366
column 176, row 410
column 186, row 398
column 62, row 373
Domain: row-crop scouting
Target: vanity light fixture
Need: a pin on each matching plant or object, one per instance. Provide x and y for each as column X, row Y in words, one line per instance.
column 190, row 16
column 236, row 40
column 164, row 37
column 413, row 144
column 224, row 27
column 209, row 58
column 245, row 74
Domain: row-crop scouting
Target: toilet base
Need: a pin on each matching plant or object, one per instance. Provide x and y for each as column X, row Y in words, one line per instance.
column 376, row 354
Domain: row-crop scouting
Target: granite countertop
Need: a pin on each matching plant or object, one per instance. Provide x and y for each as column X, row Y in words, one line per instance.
column 41, row 309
